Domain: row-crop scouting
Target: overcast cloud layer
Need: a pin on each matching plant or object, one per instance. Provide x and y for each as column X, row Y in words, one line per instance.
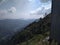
column 24, row 9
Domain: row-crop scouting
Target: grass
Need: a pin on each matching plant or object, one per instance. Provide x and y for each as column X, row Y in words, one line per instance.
column 38, row 40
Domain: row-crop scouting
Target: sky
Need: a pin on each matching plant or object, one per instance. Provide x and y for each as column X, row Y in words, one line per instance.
column 24, row 9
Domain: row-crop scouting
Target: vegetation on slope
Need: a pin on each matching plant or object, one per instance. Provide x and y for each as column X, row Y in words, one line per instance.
column 34, row 30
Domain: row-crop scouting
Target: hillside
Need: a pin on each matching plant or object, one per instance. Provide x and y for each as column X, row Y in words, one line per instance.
column 33, row 30
column 35, row 33
column 11, row 26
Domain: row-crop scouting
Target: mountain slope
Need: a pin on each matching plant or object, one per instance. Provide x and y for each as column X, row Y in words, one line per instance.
column 33, row 33
column 33, row 29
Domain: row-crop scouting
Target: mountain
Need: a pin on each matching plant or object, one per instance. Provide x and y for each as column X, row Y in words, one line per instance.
column 32, row 33
column 9, row 27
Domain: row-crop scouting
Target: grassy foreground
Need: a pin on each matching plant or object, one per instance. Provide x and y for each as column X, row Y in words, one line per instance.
column 38, row 39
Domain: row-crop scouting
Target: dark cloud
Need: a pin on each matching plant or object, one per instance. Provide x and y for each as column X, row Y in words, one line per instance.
column 1, row 1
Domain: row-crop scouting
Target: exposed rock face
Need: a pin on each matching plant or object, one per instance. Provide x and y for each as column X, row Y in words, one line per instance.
column 55, row 28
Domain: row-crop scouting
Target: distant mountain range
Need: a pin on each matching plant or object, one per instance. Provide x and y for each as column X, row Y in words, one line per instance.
column 10, row 26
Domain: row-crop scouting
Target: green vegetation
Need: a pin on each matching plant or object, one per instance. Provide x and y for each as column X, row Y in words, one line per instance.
column 34, row 34
column 36, row 40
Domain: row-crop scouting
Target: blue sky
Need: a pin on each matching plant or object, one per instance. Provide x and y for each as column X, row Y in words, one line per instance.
column 24, row 9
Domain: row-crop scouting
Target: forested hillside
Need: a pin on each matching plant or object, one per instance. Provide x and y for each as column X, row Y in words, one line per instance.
column 35, row 33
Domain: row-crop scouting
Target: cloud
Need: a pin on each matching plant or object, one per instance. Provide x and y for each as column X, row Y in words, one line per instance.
column 7, row 13
column 28, row 16
column 38, row 11
column 44, row 8
column 44, row 1
column 2, row 12
column 12, row 10
column 1, row 1
column 41, row 10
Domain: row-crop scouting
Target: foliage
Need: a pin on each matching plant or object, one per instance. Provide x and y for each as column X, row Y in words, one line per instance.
column 34, row 33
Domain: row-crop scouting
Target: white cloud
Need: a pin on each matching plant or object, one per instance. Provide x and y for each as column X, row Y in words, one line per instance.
column 38, row 11
column 35, row 10
column 30, row 0
column 35, row 14
column 4, row 14
column 8, row 14
column 42, row 10
column 12, row 10
column 44, row 1
column 26, row 17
